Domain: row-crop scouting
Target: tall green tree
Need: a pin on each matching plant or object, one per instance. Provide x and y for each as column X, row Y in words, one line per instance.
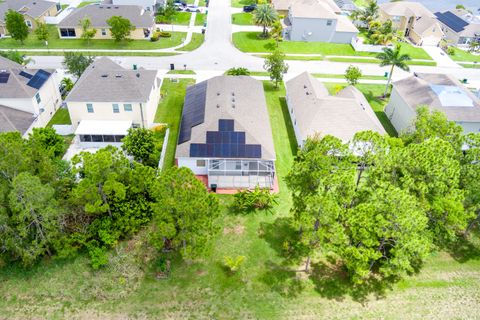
column 49, row 140
column 394, row 58
column 275, row 65
column 277, row 32
column 16, row 25
column 16, row 57
column 76, row 63
column 140, row 144
column 87, row 31
column 265, row 16
column 383, row 33
column 185, row 214
column 120, row 28
column 41, row 32
column 470, row 178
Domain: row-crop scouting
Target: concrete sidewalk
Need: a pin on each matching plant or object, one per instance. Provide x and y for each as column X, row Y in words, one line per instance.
column 441, row 58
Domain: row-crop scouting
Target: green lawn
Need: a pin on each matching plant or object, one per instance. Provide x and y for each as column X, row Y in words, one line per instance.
column 202, row 3
column 60, row 117
column 200, row 19
column 249, row 42
column 86, row 3
column 461, row 55
column 100, row 53
column 180, row 18
column 241, row 3
column 181, row 72
column 244, row 19
column 195, row 43
column 341, row 76
column 373, row 60
column 470, row 66
column 170, row 111
column 54, row 42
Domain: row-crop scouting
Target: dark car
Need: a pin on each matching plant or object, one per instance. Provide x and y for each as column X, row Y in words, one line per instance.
column 249, row 8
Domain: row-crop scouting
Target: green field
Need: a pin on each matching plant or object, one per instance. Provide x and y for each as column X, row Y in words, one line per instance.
column 243, row 19
column 195, row 43
column 249, row 42
column 54, row 42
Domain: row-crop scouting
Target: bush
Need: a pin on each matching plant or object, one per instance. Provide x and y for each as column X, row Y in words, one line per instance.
column 155, row 36
column 98, row 257
column 233, row 264
column 258, row 198
column 164, row 34
column 450, row 51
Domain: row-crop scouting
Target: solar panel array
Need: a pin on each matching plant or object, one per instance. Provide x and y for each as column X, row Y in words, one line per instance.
column 26, row 75
column 225, row 143
column 38, row 79
column 452, row 21
column 193, row 110
column 4, row 77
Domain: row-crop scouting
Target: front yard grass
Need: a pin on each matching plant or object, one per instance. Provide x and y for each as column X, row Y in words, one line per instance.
column 241, row 3
column 54, row 42
column 243, row 19
column 461, row 55
column 181, row 18
column 181, row 72
column 200, row 19
column 60, row 117
column 196, row 41
column 249, row 42
column 86, row 3
column 169, row 111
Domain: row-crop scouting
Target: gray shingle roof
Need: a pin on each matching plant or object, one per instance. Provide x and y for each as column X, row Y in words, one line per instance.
column 341, row 116
column 417, row 91
column 99, row 14
column 34, row 8
column 250, row 113
column 14, row 120
column 106, row 81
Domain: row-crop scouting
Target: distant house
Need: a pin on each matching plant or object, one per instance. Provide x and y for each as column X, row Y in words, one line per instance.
column 314, row 111
column 440, row 92
column 346, row 5
column 32, row 10
column 225, row 135
column 313, row 20
column 107, row 100
column 149, row 5
column 143, row 20
column 282, row 6
column 413, row 20
column 459, row 26
column 28, row 97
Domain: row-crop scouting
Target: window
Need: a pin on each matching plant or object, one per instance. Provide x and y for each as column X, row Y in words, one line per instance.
column 135, row 125
column 200, row 163
column 97, row 138
column 59, row 7
column 127, row 107
column 108, row 138
column 396, row 18
column 89, row 108
column 37, row 96
column 86, row 138
column 68, row 32
column 104, row 32
column 116, row 109
column 329, row 22
column 29, row 23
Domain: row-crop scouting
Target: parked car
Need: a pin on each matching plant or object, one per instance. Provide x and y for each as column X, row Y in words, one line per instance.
column 249, row 8
column 183, row 3
column 192, row 9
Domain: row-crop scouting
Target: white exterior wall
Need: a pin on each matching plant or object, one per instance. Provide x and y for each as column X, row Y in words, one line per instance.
column 401, row 115
column 319, row 31
column 152, row 104
column 470, row 127
column 147, row 4
column 291, row 112
column 191, row 163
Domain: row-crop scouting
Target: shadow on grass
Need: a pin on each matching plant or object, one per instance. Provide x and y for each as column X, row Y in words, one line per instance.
column 466, row 248
column 284, row 281
column 288, row 122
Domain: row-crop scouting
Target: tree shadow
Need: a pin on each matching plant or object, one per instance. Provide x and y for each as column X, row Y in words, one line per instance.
column 288, row 123
column 466, row 248
column 282, row 280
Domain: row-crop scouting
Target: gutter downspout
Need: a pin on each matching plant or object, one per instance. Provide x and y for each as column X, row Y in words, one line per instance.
column 141, row 115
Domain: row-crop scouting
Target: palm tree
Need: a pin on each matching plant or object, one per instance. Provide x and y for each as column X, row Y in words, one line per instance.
column 392, row 57
column 367, row 14
column 265, row 16
column 383, row 33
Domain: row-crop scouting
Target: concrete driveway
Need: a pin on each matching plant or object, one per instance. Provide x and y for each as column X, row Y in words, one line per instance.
column 441, row 58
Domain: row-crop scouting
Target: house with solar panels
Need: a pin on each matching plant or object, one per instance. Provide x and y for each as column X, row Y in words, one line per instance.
column 28, row 97
column 225, row 135
column 459, row 26
column 441, row 92
column 108, row 99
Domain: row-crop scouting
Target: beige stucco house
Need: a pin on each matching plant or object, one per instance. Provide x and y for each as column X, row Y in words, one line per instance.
column 142, row 19
column 28, row 97
column 32, row 10
column 413, row 20
column 108, row 99
column 282, row 6
column 459, row 26
column 439, row 92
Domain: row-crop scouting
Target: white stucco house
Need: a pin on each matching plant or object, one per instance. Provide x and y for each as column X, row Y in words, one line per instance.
column 149, row 5
column 440, row 92
column 316, row 21
column 28, row 97
column 108, row 99
column 225, row 135
column 314, row 111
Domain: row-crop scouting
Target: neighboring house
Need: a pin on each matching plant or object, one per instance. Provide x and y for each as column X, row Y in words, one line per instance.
column 225, row 135
column 437, row 91
column 32, row 10
column 413, row 20
column 459, row 26
column 346, row 5
column 107, row 100
column 282, row 6
column 149, row 5
column 314, row 111
column 312, row 20
column 28, row 97
column 143, row 20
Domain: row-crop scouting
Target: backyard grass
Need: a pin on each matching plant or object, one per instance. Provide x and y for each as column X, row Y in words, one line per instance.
column 249, row 42
column 54, row 42
column 243, row 19
column 266, row 287
column 181, row 72
column 196, row 41
column 170, row 111
column 200, row 19
column 86, row 3
column 461, row 55
column 241, row 3
column 60, row 117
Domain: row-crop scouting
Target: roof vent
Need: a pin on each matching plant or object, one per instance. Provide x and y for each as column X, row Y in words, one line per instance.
column 118, row 76
column 233, row 99
column 415, row 74
column 138, row 75
column 304, row 86
column 233, row 105
column 307, row 93
column 104, row 75
column 218, row 106
column 218, row 93
column 233, row 94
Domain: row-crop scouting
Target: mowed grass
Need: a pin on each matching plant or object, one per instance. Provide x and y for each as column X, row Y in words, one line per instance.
column 170, row 111
column 200, row 19
column 100, row 53
column 249, row 42
column 243, row 19
column 86, row 3
column 241, row 3
column 266, row 287
column 196, row 41
column 54, row 42
column 461, row 55
column 373, row 60
column 60, row 117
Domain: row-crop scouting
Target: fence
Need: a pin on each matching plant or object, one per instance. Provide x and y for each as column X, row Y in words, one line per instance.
column 164, row 150
column 358, row 45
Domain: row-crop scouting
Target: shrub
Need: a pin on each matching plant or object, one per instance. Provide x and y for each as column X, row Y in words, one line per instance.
column 258, row 198
column 450, row 51
column 233, row 264
column 98, row 257
column 164, row 34
column 154, row 37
